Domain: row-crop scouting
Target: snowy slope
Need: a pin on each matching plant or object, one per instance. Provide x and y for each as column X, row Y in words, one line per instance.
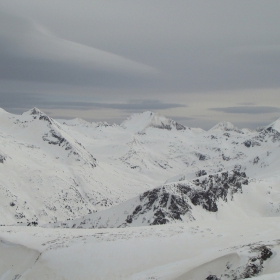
column 226, row 195
column 275, row 125
column 218, row 191
column 48, row 175
column 225, row 249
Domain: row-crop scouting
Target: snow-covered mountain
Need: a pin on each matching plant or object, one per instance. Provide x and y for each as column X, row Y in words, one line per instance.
column 138, row 123
column 95, row 178
column 58, row 170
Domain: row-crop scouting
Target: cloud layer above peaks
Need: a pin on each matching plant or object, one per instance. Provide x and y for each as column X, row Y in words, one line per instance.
column 30, row 52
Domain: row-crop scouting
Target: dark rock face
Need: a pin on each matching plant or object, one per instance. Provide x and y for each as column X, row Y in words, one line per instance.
column 202, row 157
column 2, row 158
column 212, row 277
column 216, row 187
column 164, row 204
column 225, row 157
column 35, row 111
column 252, row 268
column 171, row 202
column 251, row 143
column 169, row 126
column 179, row 126
column 256, row 160
column 254, row 265
column 163, row 126
column 46, row 118
column 200, row 173
column 55, row 138
column 266, row 252
column 268, row 133
column 42, row 116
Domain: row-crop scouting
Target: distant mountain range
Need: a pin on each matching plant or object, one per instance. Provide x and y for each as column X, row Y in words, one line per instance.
column 153, row 170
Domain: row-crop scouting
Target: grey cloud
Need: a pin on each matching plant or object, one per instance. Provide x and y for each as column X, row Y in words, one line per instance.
column 16, row 102
column 199, row 46
column 256, row 54
column 28, row 100
column 247, row 109
column 30, row 53
column 130, row 106
column 246, row 103
column 181, row 119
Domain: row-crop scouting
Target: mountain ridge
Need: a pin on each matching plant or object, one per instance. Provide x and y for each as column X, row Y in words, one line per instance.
column 55, row 170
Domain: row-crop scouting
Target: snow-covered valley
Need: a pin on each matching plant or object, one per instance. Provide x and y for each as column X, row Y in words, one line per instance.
column 146, row 199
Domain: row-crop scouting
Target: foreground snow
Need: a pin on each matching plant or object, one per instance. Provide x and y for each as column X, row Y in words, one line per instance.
column 226, row 249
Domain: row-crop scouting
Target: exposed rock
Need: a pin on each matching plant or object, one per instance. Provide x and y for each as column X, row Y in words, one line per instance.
column 212, row 277
column 256, row 160
column 202, row 157
column 251, row 143
column 217, row 186
column 268, row 133
column 53, row 137
column 254, row 265
column 226, row 158
column 2, row 158
column 200, row 173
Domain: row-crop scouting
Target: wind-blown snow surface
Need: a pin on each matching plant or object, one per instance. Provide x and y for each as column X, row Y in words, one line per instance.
column 219, row 191
column 224, row 249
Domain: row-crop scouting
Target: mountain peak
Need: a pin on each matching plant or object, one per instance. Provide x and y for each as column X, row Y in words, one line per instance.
column 226, row 126
column 37, row 112
column 34, row 111
column 141, row 121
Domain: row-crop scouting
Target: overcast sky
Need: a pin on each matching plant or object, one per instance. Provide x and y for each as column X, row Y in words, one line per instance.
column 198, row 62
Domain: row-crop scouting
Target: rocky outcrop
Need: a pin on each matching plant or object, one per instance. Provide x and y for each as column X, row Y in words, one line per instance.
column 257, row 255
column 173, row 202
column 251, row 143
column 215, row 187
column 268, row 133
column 2, row 158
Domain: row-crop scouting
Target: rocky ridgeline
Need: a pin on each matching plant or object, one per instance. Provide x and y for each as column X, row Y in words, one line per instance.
column 2, row 158
column 264, row 134
column 35, row 112
column 268, row 132
column 55, row 137
column 169, row 125
column 169, row 203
